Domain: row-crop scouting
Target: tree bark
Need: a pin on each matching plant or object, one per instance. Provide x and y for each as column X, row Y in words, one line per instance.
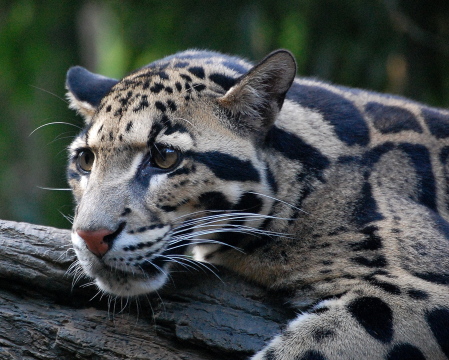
column 198, row 316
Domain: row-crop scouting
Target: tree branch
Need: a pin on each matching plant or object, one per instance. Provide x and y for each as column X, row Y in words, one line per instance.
column 197, row 317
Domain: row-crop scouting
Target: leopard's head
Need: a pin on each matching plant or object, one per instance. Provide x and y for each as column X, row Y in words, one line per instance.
column 171, row 158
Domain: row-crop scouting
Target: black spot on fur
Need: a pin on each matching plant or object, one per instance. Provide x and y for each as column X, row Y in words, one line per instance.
column 181, row 65
column 176, row 128
column 111, row 136
column 312, row 355
column 420, row 157
column 143, row 104
column 319, row 311
column 348, row 276
column 434, row 277
column 390, row 288
column 375, row 316
column 295, row 148
column 370, row 242
column 249, row 203
column 438, row 320
column 214, row 200
column 156, row 88
column 377, row 261
column 155, row 130
column 187, row 78
column 392, row 119
column 348, row 123
column 171, row 105
column 168, row 90
column 118, row 112
column 129, row 126
column 126, row 211
column 227, row 167
column 198, row 87
column 163, row 75
column 179, row 171
column 167, row 208
column 372, row 157
column 235, row 66
column 147, row 228
column 418, row 294
column 187, row 86
column 198, row 71
column 165, row 121
column 108, row 108
column 444, row 154
column 160, row 106
column 272, row 180
column 322, row 334
column 124, row 100
column 226, row 82
column 365, row 210
column 405, row 352
column 437, row 122
column 178, row 86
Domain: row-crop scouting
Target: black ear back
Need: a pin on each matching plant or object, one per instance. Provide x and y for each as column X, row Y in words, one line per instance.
column 88, row 87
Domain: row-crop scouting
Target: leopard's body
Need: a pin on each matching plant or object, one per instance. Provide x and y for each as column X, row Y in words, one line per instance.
column 340, row 197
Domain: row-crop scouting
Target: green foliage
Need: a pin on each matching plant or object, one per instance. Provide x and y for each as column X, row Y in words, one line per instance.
column 385, row 45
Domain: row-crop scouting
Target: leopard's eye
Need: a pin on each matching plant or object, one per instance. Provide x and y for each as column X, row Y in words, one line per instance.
column 85, row 160
column 165, row 158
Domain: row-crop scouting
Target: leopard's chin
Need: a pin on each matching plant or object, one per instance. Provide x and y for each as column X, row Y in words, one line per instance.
column 126, row 285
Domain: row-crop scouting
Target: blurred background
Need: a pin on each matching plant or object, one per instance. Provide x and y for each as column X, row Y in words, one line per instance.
column 391, row 46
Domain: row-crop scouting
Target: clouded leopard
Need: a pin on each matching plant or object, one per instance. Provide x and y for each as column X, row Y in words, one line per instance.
column 337, row 196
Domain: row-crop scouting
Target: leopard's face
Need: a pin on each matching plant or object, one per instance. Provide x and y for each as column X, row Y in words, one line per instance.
column 158, row 170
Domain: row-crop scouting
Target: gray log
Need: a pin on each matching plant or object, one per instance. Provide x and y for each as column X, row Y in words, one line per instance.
column 43, row 316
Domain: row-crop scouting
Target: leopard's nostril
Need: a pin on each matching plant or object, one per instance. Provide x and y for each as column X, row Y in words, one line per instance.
column 100, row 241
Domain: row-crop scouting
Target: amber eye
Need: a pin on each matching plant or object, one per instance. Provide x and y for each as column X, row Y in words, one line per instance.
column 165, row 158
column 85, row 160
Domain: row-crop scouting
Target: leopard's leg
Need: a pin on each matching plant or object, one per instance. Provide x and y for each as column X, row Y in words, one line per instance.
column 369, row 325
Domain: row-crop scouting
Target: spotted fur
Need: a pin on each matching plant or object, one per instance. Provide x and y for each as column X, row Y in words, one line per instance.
column 337, row 196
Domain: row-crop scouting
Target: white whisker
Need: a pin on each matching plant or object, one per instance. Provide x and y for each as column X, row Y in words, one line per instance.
column 53, row 189
column 54, row 123
column 198, row 265
column 49, row 92
column 204, row 241
column 279, row 200
column 187, row 121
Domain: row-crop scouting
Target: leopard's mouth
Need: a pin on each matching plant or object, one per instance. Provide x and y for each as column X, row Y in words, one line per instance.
column 125, row 284
column 129, row 281
column 124, row 272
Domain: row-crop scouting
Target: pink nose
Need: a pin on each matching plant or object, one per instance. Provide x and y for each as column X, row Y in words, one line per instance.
column 95, row 240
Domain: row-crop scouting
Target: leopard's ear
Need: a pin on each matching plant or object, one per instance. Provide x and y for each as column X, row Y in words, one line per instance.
column 85, row 90
column 258, row 96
